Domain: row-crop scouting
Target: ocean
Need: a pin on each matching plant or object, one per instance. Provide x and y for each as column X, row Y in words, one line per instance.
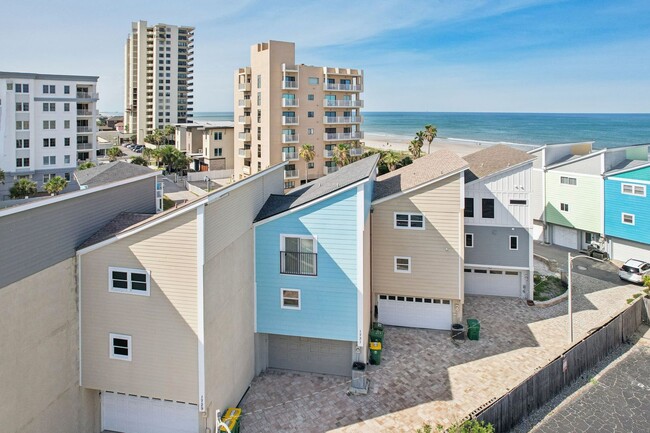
column 606, row 130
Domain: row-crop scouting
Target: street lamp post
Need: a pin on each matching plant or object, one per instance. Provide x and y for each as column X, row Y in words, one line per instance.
column 570, row 289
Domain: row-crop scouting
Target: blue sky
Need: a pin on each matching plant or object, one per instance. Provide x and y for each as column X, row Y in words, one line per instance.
column 429, row 55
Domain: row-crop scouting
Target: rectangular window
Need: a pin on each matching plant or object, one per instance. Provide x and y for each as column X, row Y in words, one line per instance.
column 22, row 106
column 49, row 106
column 66, row 124
column 514, row 242
column 22, row 125
column 469, row 240
column 48, row 177
column 49, row 124
column 298, row 255
column 66, row 159
column 66, row 141
column 518, row 202
column 287, row 185
column 402, row 265
column 218, row 135
column 120, row 346
column 67, row 177
column 49, row 160
column 290, row 299
column 310, row 114
column 310, row 131
column 564, row 207
column 313, row 80
column 627, row 218
column 218, row 151
column 631, row 189
column 66, row 106
column 49, row 89
column 22, row 143
column 66, row 90
column 469, row 207
column 409, row 221
column 49, row 142
column 22, row 162
column 568, row 180
column 310, row 97
column 487, row 208
column 133, row 281
column 259, row 81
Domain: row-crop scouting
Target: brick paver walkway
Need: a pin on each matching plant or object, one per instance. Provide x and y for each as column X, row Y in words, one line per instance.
column 425, row 376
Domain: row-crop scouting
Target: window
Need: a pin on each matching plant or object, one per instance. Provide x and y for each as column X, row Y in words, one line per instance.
column 25, row 88
column 514, row 242
column 124, row 280
column 22, row 143
column 310, row 97
column 259, row 81
column 66, row 124
column 568, row 180
column 67, row 176
column 49, row 106
column 630, row 189
column 66, row 90
column 469, row 207
column 313, row 80
column 564, row 207
column 310, row 114
column 49, row 142
column 22, row 162
column 627, row 218
column 310, row 165
column 22, row 125
column 403, row 265
column 49, row 89
column 287, row 185
column 518, row 202
column 48, row 177
column 487, row 208
column 66, row 159
column 259, row 98
column 22, row 106
column 49, row 124
column 66, row 141
column 298, row 255
column 49, row 160
column 10, row 86
column 409, row 221
column 120, row 346
column 66, row 106
column 218, row 135
column 290, row 299
column 310, row 131
column 469, row 240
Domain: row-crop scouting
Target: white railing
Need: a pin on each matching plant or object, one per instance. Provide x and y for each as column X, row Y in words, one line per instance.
column 86, row 112
column 289, row 85
column 244, row 153
column 244, row 103
column 290, row 174
column 343, row 103
column 246, row 169
column 84, row 129
column 343, row 136
column 84, row 146
column 289, row 120
column 212, row 174
column 356, row 151
column 343, row 87
column 290, row 156
column 245, row 136
column 352, row 119
column 286, row 138
column 328, row 153
column 87, row 95
column 329, row 170
column 287, row 102
column 245, row 120
column 289, row 68
column 246, row 87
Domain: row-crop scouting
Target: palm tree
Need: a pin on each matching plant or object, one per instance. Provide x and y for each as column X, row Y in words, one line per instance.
column 341, row 154
column 415, row 148
column 147, row 154
column 55, row 185
column 113, row 153
column 391, row 159
column 139, row 160
column 86, row 165
column 307, row 153
column 167, row 155
column 22, row 188
column 167, row 131
column 430, row 132
column 158, row 137
column 180, row 161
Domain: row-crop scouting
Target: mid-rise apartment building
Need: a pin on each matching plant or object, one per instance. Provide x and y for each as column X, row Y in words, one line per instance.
column 279, row 106
column 47, row 125
column 158, row 68
column 209, row 144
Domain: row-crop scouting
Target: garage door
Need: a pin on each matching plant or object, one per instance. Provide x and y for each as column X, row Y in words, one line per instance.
column 492, row 282
column 414, row 312
column 538, row 232
column 565, row 237
column 134, row 414
column 314, row 355
column 623, row 250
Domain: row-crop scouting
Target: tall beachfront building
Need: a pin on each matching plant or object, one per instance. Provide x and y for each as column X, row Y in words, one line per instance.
column 280, row 106
column 47, row 125
column 158, row 67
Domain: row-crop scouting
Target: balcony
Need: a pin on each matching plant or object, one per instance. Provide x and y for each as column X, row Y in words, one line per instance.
column 291, row 174
column 84, row 129
column 289, row 85
column 244, row 103
column 329, row 170
column 88, row 112
column 244, row 87
column 86, row 95
column 244, row 120
column 246, row 170
column 84, row 146
column 297, row 263
column 289, row 68
column 290, row 156
column 343, row 103
column 342, row 120
column 328, row 153
column 244, row 153
column 337, row 136
column 289, row 120
column 356, row 151
column 286, row 102
column 343, row 87
column 244, row 136
column 287, row 138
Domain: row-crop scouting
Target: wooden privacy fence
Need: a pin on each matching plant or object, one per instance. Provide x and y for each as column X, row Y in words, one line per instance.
column 531, row 394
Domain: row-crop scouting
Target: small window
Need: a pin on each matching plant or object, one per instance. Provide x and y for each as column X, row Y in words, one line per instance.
column 564, row 207
column 133, row 281
column 403, row 265
column 469, row 240
column 518, row 202
column 310, row 97
column 409, row 221
column 627, row 218
column 568, row 180
column 511, row 273
column 66, row 105
column 313, row 80
column 310, row 131
column 66, row 90
column 630, row 189
column 480, row 271
column 310, row 165
column 469, row 207
column 310, row 114
column 467, row 270
column 218, row 151
column 514, row 242
column 218, row 136
column 290, row 299
column 488, row 208
column 120, row 346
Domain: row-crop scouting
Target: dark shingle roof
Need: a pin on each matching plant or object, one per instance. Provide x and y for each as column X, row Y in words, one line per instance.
column 320, row 187
column 492, row 160
column 111, row 172
column 120, row 223
column 421, row 171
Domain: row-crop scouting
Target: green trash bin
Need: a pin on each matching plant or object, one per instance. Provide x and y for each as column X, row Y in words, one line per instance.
column 473, row 329
column 377, row 335
column 375, row 353
column 378, row 326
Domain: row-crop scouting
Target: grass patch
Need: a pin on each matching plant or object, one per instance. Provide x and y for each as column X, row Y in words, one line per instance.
column 547, row 287
column 168, row 203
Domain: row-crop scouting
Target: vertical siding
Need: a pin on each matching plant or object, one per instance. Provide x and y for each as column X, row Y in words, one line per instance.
column 584, row 200
column 329, row 300
column 163, row 326
column 434, row 252
column 537, row 194
column 617, row 203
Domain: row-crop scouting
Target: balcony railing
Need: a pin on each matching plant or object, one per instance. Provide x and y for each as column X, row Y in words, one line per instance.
column 84, row 146
column 244, row 153
column 244, row 136
column 343, row 136
column 286, row 138
column 86, row 112
column 245, row 87
column 328, row 153
column 290, row 156
column 86, row 95
column 287, row 102
column 289, row 85
column 289, row 120
column 329, row 170
column 343, row 103
column 244, row 120
column 246, row 169
column 84, row 129
column 296, row 263
column 245, row 103
column 356, row 151
column 291, row 174
column 342, row 120
column 343, row 87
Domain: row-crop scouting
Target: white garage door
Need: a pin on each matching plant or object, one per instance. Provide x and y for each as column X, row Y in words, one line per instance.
column 623, row 250
column 414, row 312
column 492, row 282
column 133, row 414
column 565, row 237
column 313, row 355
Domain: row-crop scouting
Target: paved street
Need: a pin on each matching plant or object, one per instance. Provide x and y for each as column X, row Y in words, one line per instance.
column 607, row 271
column 618, row 399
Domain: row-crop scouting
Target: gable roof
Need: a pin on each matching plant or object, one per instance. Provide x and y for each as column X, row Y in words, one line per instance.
column 494, row 159
column 111, row 172
column 121, row 222
column 321, row 187
column 422, row 171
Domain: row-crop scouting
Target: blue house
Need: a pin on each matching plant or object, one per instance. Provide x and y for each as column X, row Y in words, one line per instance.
column 312, row 273
column 627, row 211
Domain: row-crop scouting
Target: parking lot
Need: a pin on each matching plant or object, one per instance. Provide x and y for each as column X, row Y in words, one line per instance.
column 425, row 376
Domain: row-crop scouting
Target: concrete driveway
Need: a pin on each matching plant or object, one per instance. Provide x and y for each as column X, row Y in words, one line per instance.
column 607, row 271
column 425, row 376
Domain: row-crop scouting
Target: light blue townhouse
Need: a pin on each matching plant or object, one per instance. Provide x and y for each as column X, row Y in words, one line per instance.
column 627, row 211
column 312, row 273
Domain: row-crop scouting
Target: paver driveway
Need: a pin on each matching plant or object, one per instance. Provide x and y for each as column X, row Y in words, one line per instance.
column 426, row 377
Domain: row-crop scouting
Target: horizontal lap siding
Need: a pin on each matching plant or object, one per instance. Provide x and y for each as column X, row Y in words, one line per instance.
column 163, row 326
column 329, row 300
column 617, row 203
column 584, row 200
column 434, row 252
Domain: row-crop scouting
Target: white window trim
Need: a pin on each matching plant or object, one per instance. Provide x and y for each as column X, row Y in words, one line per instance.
column 395, row 265
column 568, row 183
column 286, row 307
column 633, row 185
column 510, row 243
column 129, row 290
column 623, row 215
column 112, row 355
column 472, row 236
column 409, row 214
column 284, row 236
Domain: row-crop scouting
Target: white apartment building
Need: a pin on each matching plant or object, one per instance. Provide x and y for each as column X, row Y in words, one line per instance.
column 47, row 125
column 158, row 68
column 281, row 105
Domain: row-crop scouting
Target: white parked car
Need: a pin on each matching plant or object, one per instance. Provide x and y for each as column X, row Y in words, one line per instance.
column 634, row 270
